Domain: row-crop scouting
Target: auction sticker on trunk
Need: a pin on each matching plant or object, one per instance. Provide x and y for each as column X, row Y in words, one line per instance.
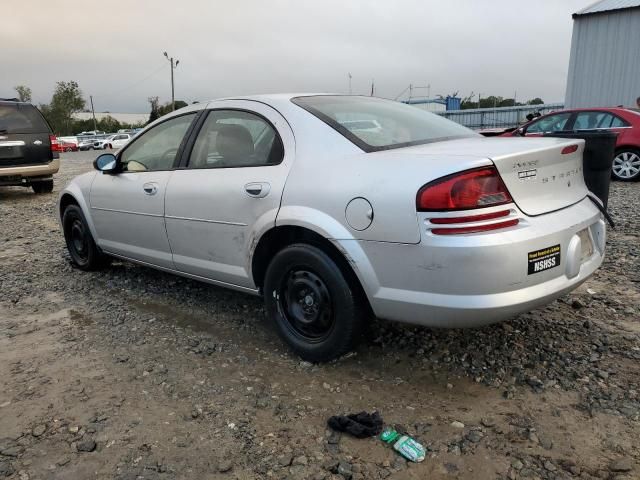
column 544, row 259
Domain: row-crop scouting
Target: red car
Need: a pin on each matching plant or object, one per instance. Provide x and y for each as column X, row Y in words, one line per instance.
column 625, row 122
column 63, row 146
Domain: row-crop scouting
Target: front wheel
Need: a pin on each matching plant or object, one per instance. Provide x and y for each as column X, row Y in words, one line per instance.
column 626, row 165
column 315, row 309
column 82, row 248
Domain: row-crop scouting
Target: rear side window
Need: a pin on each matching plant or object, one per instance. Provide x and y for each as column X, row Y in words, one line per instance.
column 21, row 118
column 235, row 138
column 375, row 124
column 597, row 120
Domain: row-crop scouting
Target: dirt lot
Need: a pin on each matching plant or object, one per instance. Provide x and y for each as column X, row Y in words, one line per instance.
column 131, row 373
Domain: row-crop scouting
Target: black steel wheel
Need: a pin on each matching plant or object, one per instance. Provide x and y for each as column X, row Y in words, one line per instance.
column 313, row 305
column 306, row 304
column 83, row 250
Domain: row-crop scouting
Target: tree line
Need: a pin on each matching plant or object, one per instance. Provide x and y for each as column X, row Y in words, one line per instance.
column 67, row 99
column 493, row 101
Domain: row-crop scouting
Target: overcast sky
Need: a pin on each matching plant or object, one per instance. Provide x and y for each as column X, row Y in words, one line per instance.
column 114, row 49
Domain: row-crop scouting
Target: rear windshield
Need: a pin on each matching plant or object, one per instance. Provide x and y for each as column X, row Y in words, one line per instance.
column 375, row 124
column 21, row 118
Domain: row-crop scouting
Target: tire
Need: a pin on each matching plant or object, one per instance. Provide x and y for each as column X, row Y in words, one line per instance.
column 626, row 165
column 314, row 308
column 46, row 186
column 83, row 250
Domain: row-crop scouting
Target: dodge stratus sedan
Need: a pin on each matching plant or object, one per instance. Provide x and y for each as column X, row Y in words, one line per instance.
column 337, row 208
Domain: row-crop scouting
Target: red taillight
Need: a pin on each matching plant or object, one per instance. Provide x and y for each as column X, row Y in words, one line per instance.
column 53, row 140
column 476, row 188
column 569, row 149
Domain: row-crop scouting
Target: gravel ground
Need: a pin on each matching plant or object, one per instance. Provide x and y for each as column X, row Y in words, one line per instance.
column 131, row 373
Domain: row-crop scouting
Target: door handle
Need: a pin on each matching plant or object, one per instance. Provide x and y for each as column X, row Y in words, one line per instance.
column 150, row 188
column 257, row 189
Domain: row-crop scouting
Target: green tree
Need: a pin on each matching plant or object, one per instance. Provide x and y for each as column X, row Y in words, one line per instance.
column 535, row 101
column 24, row 93
column 155, row 109
column 66, row 100
column 166, row 108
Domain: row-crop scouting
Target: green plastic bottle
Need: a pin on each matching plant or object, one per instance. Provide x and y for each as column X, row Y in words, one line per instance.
column 404, row 445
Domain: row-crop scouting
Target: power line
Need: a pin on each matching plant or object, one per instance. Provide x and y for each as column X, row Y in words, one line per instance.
column 135, row 84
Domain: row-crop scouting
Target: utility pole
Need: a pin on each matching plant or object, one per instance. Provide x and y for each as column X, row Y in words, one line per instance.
column 349, row 83
column 93, row 114
column 173, row 67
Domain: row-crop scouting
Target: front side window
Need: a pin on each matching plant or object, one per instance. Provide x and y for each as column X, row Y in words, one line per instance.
column 376, row 124
column 156, row 149
column 552, row 123
column 235, row 138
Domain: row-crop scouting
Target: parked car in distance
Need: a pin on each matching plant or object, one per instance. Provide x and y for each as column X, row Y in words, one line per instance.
column 65, row 146
column 86, row 144
column 272, row 195
column 28, row 154
column 114, row 141
column 91, row 132
column 625, row 122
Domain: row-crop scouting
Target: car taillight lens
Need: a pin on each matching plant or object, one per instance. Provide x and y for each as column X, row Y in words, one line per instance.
column 53, row 140
column 477, row 188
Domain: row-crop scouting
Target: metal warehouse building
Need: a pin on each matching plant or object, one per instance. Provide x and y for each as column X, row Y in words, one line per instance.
column 604, row 68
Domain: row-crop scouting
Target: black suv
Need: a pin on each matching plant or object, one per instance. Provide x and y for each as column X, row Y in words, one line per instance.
column 27, row 156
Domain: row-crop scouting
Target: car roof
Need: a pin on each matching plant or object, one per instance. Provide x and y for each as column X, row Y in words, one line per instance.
column 594, row 109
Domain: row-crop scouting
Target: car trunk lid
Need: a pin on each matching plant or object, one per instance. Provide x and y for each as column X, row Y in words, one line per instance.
column 541, row 174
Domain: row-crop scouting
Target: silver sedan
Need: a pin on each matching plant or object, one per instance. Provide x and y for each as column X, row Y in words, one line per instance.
column 338, row 208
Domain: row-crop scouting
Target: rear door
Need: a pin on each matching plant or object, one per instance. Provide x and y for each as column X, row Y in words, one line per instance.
column 229, row 190
column 24, row 135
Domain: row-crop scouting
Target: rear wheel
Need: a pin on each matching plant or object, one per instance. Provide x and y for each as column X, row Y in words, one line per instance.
column 626, row 165
column 82, row 248
column 314, row 308
column 45, row 186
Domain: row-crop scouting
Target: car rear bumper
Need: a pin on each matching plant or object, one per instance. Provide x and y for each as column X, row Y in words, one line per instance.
column 476, row 279
column 14, row 175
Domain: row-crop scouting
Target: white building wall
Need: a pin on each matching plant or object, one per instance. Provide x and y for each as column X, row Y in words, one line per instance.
column 604, row 67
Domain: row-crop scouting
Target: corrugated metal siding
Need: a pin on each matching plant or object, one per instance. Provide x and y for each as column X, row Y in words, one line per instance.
column 607, row 5
column 604, row 67
column 480, row 118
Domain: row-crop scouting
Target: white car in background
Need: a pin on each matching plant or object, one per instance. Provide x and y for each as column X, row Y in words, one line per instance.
column 114, row 141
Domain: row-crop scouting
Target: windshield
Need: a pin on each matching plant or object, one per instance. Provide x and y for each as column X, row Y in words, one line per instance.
column 375, row 124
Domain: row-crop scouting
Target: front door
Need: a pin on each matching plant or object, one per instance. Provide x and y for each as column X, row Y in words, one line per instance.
column 229, row 190
column 128, row 207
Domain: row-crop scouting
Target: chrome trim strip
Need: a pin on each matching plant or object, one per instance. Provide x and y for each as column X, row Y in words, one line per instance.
column 221, row 222
column 127, row 212
column 12, row 143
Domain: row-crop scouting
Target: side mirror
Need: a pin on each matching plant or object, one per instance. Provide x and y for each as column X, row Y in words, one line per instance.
column 106, row 163
column 520, row 132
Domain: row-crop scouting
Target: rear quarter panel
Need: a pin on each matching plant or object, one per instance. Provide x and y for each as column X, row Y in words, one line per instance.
column 324, row 180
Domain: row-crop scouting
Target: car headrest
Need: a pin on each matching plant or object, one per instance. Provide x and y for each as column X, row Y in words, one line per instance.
column 234, row 142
